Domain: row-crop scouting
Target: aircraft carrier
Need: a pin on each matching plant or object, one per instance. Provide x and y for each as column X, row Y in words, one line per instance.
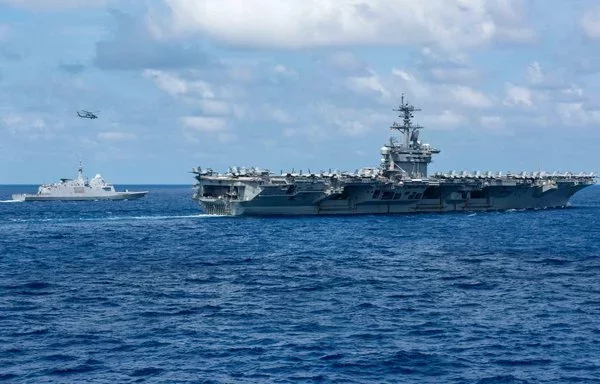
column 400, row 184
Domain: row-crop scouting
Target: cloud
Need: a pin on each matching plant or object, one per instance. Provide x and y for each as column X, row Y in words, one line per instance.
column 205, row 71
column 134, row 47
column 587, row 65
column 115, row 136
column 576, row 114
column 55, row 4
column 518, row 96
column 512, row 25
column 196, row 129
column 444, row 95
column 496, row 125
column 471, row 98
column 446, row 119
column 543, row 88
column 191, row 92
column 337, row 119
column 204, row 124
column 413, row 86
column 215, row 107
column 371, row 85
column 590, row 23
column 491, row 121
column 327, row 104
column 571, row 93
column 278, row 115
column 209, row 107
column 452, row 24
column 518, row 35
column 534, row 72
column 455, row 75
column 28, row 127
column 177, row 86
column 284, row 71
column 6, row 35
column 442, row 67
column 540, row 78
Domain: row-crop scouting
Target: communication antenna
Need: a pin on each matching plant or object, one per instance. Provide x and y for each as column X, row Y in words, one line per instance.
column 407, row 128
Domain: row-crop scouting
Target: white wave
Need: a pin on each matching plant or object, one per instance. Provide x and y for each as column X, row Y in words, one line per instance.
column 166, row 217
column 112, row 218
column 11, row 201
column 146, row 217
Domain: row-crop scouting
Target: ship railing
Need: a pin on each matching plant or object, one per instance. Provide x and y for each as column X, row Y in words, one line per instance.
column 513, row 175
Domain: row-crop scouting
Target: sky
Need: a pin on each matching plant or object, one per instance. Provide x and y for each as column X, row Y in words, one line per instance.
column 504, row 85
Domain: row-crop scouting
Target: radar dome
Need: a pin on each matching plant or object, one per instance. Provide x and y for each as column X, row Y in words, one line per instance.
column 385, row 150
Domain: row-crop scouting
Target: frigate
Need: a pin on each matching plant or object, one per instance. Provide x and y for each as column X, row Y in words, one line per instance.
column 400, row 184
column 79, row 189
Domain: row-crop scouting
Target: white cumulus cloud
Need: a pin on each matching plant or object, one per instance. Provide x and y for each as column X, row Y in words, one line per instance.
column 518, row 95
column 176, row 86
column 313, row 23
column 445, row 120
column 469, row 97
column 590, row 23
column 204, row 124
column 576, row 114
column 371, row 84
column 214, row 107
column 29, row 127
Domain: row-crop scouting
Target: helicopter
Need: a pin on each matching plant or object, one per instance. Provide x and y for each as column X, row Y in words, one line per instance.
column 86, row 114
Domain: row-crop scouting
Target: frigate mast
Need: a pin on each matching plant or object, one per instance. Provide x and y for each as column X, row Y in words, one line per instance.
column 80, row 176
column 406, row 127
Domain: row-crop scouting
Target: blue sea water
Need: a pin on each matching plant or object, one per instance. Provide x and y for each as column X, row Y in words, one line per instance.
column 153, row 291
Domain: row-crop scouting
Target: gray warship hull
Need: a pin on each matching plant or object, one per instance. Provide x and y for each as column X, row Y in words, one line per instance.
column 400, row 184
column 411, row 197
column 117, row 196
column 79, row 189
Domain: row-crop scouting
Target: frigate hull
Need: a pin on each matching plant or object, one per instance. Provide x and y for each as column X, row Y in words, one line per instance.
column 79, row 189
column 73, row 197
column 401, row 184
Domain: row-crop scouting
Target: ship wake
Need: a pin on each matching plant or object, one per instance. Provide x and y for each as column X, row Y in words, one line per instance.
column 112, row 218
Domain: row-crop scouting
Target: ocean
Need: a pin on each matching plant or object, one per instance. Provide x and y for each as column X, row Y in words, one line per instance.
column 152, row 290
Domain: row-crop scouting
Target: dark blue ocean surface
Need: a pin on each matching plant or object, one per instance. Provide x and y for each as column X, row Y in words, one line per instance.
column 153, row 291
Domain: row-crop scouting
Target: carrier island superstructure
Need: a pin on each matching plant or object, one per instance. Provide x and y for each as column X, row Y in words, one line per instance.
column 400, row 184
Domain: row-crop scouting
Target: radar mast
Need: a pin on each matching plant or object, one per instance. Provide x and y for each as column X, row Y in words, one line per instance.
column 407, row 128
